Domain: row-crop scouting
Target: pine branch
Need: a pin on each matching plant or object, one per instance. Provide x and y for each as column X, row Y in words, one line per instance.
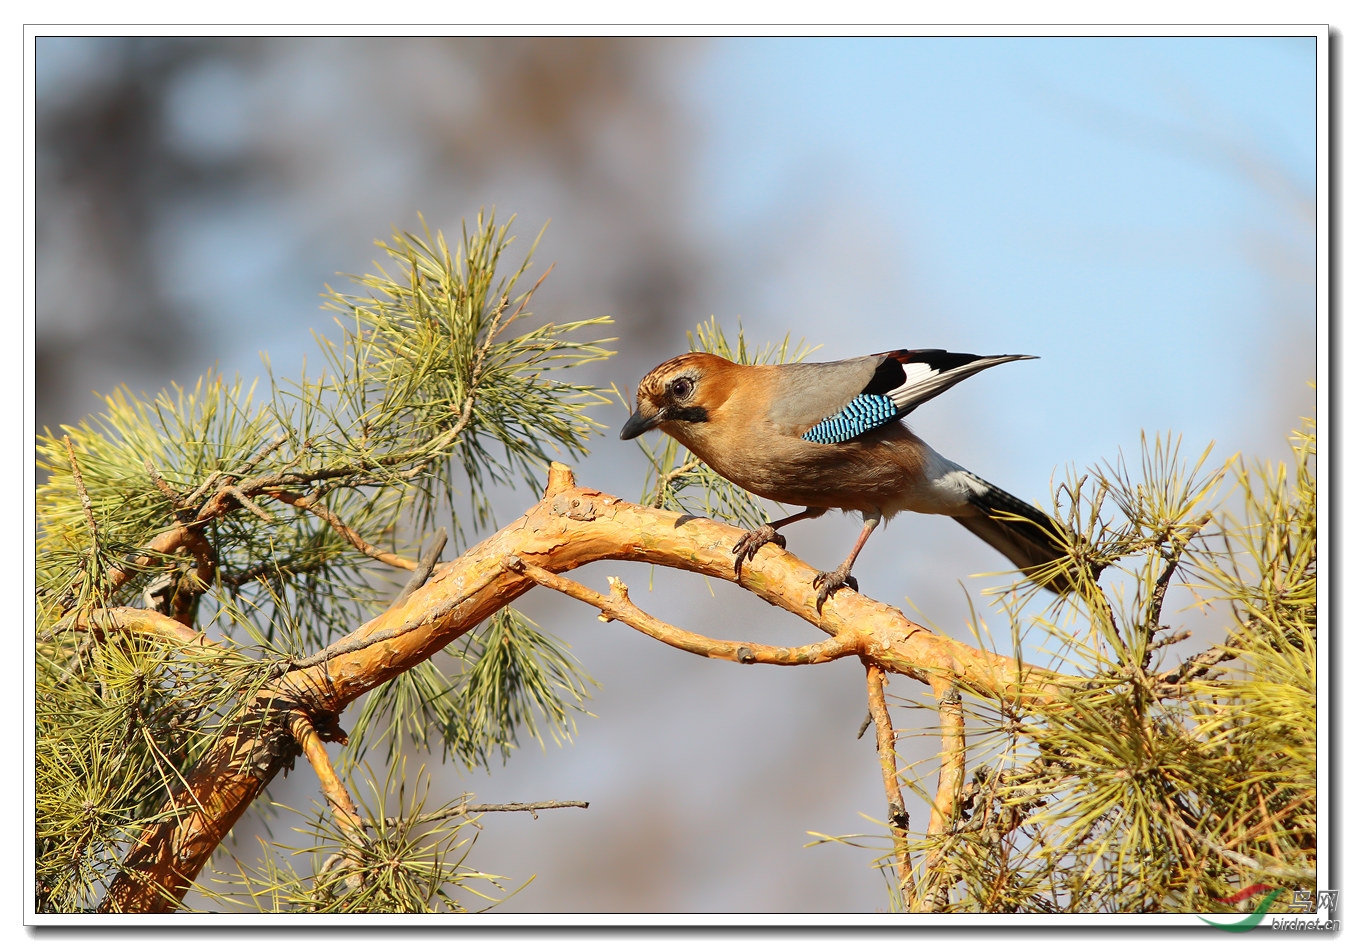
column 570, row 527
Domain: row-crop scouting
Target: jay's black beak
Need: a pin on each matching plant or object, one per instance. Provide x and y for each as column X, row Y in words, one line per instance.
column 639, row 423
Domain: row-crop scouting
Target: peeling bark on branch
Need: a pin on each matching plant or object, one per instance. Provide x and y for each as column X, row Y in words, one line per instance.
column 568, row 528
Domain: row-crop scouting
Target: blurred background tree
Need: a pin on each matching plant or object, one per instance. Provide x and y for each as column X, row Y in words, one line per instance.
column 1078, row 199
column 158, row 155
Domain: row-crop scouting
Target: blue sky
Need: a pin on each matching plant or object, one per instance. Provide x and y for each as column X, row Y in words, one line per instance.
column 1089, row 200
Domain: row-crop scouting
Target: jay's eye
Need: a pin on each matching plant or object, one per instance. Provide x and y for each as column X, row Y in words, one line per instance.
column 681, row 388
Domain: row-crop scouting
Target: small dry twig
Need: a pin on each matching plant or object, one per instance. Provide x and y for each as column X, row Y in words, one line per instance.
column 426, row 564
column 465, row 808
column 347, row 534
column 84, row 494
column 617, row 606
column 897, row 815
column 345, row 815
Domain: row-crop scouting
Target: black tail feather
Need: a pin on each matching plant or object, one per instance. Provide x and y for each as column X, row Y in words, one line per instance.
column 1030, row 539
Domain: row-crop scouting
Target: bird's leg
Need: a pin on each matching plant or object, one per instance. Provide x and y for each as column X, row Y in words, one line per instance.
column 754, row 540
column 829, row 582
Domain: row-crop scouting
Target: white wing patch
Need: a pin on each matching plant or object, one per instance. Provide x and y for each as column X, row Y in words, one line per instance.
column 917, row 373
column 924, row 380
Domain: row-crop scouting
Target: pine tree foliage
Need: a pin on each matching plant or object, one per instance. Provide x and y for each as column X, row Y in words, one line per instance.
column 195, row 545
column 1159, row 785
column 264, row 517
column 413, row 856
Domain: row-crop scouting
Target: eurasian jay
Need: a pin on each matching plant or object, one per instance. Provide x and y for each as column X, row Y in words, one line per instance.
column 830, row 435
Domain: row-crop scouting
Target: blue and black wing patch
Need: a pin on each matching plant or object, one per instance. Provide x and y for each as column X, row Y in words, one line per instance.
column 864, row 412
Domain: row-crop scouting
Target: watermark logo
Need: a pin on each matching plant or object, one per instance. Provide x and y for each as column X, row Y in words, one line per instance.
column 1302, row 902
column 1254, row 919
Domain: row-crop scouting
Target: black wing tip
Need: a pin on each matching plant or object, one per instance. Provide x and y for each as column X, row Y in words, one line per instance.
column 917, row 355
column 974, row 357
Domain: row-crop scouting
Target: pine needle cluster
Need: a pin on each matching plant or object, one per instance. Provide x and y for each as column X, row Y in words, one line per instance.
column 194, row 543
column 1164, row 782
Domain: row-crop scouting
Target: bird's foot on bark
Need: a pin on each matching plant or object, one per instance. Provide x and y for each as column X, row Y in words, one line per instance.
column 753, row 541
column 828, row 582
